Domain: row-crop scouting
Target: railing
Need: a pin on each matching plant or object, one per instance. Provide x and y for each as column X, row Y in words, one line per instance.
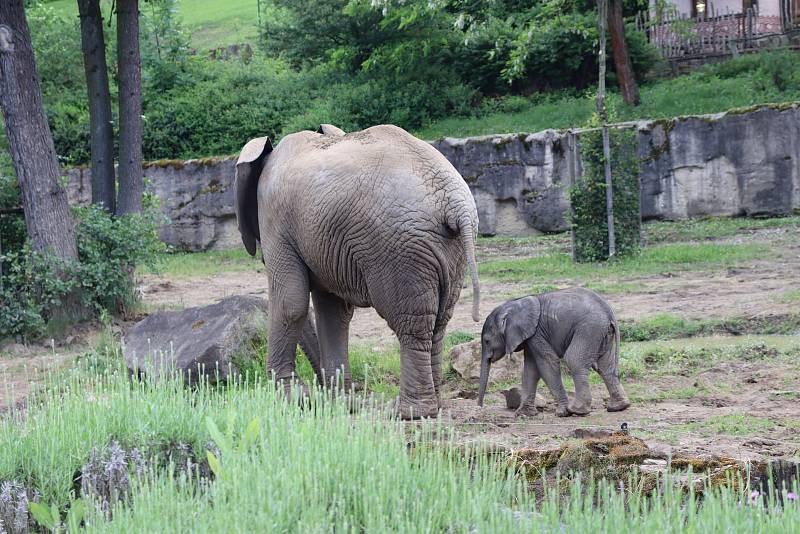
column 713, row 32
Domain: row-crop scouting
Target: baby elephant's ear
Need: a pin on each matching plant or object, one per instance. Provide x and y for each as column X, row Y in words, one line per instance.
column 521, row 322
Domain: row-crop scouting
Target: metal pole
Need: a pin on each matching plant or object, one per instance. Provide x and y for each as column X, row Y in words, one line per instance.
column 602, row 16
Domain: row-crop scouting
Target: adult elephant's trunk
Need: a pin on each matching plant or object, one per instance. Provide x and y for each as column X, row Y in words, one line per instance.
column 486, row 364
column 468, row 240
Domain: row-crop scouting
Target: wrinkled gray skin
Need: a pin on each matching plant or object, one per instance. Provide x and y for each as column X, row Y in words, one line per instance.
column 574, row 324
column 372, row 218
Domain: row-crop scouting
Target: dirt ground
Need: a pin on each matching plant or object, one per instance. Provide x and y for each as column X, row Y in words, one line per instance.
column 751, row 289
column 755, row 390
column 750, row 391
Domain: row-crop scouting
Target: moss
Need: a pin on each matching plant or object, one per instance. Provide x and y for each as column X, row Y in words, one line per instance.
column 177, row 164
column 783, row 106
column 523, row 138
column 656, row 152
column 502, row 142
column 214, row 186
column 532, row 462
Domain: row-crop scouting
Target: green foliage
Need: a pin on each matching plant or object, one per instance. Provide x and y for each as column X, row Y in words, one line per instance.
column 588, row 197
column 109, row 248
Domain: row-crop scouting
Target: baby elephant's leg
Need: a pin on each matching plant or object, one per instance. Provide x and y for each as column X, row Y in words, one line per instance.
column 530, row 381
column 549, row 365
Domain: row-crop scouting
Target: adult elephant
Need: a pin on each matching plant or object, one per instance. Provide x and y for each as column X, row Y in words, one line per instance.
column 371, row 218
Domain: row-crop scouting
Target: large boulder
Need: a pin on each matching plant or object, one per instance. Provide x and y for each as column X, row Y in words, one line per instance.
column 204, row 340
column 466, row 360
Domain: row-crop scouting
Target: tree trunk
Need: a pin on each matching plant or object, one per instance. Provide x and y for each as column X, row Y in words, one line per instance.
column 102, row 133
column 602, row 9
column 44, row 200
column 130, row 108
column 622, row 59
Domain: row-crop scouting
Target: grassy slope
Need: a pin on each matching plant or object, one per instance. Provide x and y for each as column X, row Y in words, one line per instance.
column 687, row 95
column 212, row 23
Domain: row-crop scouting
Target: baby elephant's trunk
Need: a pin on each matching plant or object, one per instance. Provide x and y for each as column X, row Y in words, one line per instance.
column 486, row 363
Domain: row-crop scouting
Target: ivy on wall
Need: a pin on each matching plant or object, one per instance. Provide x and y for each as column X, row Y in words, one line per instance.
column 588, row 197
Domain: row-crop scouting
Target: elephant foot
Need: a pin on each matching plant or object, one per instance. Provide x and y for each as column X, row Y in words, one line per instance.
column 578, row 410
column 562, row 411
column 526, row 411
column 617, row 406
column 409, row 410
column 295, row 389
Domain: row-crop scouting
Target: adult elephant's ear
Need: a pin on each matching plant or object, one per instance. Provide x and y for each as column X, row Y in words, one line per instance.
column 248, row 170
column 330, row 129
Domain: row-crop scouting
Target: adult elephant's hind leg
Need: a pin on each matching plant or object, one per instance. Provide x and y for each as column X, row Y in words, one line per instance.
column 288, row 308
column 333, row 324
column 417, row 391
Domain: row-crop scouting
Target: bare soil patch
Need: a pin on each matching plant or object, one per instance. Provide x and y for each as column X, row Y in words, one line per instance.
column 742, row 410
column 751, row 289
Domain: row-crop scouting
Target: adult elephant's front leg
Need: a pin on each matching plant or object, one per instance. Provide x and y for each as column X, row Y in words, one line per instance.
column 288, row 308
column 333, row 325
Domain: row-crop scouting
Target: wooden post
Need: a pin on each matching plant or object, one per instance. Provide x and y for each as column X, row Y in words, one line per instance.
column 602, row 14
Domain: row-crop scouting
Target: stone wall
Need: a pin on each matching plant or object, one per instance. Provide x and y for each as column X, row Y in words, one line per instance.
column 196, row 195
column 735, row 163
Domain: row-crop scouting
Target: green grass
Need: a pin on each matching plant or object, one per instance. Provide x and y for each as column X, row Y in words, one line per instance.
column 791, row 296
column 655, row 260
column 711, row 228
column 215, row 23
column 210, row 23
column 705, row 91
column 280, row 468
column 739, row 424
column 669, row 326
column 691, row 355
column 191, row 264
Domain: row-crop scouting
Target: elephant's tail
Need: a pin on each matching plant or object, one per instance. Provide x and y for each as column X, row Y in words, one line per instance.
column 468, row 240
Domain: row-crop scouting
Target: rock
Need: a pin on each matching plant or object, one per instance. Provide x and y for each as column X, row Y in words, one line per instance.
column 202, row 340
column 514, row 398
column 466, row 360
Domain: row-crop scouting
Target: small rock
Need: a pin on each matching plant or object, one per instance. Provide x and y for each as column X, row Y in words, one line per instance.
column 654, row 461
column 646, row 468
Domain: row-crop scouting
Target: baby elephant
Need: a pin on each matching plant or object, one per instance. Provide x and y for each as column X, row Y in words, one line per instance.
column 574, row 324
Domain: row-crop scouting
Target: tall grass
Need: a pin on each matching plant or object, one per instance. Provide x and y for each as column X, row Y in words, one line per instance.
column 319, row 469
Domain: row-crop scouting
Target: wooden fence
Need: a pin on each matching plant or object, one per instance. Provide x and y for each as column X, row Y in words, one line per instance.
column 714, row 32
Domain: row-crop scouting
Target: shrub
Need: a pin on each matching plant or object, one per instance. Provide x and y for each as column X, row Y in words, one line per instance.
column 588, row 198
column 109, row 249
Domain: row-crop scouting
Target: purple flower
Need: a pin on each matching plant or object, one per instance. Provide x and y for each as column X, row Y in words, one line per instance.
column 754, row 495
column 791, row 496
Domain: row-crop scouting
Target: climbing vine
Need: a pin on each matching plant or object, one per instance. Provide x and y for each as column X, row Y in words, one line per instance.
column 588, row 197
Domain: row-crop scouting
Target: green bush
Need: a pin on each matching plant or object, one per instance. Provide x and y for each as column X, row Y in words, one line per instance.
column 109, row 248
column 588, row 197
